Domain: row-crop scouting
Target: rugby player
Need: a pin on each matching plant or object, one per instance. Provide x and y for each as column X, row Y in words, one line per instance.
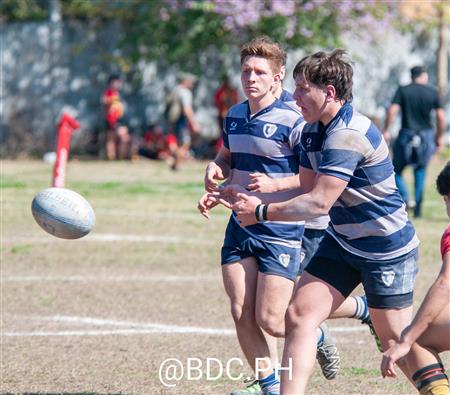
column 345, row 171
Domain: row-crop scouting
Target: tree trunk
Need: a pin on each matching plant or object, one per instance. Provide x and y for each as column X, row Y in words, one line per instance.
column 442, row 53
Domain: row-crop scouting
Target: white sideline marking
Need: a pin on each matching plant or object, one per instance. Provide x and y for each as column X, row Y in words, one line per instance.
column 136, row 328
column 131, row 328
column 79, row 278
column 106, row 237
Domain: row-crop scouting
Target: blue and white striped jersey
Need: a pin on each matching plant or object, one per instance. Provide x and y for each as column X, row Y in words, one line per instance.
column 267, row 142
column 322, row 221
column 369, row 219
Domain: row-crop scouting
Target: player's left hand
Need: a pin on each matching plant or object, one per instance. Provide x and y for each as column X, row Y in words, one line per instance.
column 391, row 356
column 205, row 204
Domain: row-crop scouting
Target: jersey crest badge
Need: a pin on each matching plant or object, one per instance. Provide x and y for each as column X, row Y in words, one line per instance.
column 269, row 129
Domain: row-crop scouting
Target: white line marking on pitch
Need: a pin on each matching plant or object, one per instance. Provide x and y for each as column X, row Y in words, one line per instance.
column 135, row 328
column 116, row 237
column 79, row 278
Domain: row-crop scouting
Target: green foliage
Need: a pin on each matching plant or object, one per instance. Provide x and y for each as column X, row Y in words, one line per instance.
column 22, row 10
column 181, row 32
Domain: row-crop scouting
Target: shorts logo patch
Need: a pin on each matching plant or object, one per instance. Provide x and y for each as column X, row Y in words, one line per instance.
column 269, row 129
column 302, row 256
column 284, row 259
column 388, row 277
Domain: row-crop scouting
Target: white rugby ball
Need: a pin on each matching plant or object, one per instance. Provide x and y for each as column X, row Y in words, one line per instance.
column 63, row 213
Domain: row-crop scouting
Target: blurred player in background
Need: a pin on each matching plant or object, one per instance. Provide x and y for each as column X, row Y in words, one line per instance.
column 180, row 118
column 117, row 134
column 416, row 142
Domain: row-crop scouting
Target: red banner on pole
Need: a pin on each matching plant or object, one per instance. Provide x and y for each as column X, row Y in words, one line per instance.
column 67, row 124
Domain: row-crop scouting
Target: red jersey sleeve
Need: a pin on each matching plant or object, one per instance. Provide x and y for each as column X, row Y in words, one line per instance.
column 445, row 242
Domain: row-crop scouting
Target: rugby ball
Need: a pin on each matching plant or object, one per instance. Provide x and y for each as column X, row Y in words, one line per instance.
column 63, row 213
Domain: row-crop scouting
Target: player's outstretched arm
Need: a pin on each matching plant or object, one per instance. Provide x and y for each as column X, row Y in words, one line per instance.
column 317, row 201
column 260, row 182
column 437, row 299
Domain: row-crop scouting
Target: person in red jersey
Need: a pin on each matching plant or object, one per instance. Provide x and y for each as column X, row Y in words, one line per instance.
column 117, row 133
column 431, row 325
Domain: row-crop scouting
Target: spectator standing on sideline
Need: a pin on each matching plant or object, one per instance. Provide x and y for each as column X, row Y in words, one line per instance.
column 117, row 133
column 225, row 97
column 416, row 141
column 180, row 118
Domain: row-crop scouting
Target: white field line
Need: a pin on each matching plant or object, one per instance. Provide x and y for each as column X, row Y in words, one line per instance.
column 135, row 328
column 107, row 237
column 85, row 279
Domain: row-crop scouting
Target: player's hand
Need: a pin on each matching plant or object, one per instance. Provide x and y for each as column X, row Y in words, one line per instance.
column 391, row 356
column 213, row 174
column 205, row 204
column 242, row 204
column 260, row 182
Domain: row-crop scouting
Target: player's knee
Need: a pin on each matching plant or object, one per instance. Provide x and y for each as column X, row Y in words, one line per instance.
column 292, row 318
column 272, row 323
column 299, row 315
column 241, row 313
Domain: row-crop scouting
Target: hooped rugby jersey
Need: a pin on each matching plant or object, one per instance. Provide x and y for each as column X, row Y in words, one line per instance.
column 318, row 222
column 369, row 219
column 267, row 142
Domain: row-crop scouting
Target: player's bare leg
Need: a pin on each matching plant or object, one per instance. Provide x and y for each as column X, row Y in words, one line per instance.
column 303, row 318
column 110, row 144
column 124, row 140
column 240, row 282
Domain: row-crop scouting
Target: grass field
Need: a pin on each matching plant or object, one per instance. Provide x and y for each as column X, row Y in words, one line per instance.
column 100, row 314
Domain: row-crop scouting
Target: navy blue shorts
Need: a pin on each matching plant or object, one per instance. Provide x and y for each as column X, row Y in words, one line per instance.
column 388, row 284
column 310, row 245
column 272, row 258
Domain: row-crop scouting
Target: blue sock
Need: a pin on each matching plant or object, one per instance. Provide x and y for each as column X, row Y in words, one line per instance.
column 362, row 309
column 270, row 384
column 320, row 336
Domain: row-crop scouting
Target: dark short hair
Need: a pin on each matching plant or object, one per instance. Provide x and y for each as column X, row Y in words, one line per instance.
column 443, row 180
column 332, row 68
column 113, row 77
column 417, row 71
column 265, row 47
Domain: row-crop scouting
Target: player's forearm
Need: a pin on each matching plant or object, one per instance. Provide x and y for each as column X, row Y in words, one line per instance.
column 440, row 122
column 300, row 208
column 224, row 163
column 287, row 183
column 437, row 299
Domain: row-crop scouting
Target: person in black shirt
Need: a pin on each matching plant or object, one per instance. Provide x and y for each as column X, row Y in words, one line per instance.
column 416, row 141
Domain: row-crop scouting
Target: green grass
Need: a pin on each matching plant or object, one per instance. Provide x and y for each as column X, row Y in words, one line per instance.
column 147, row 199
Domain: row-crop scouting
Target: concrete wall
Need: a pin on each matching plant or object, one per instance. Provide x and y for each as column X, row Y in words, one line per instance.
column 47, row 66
